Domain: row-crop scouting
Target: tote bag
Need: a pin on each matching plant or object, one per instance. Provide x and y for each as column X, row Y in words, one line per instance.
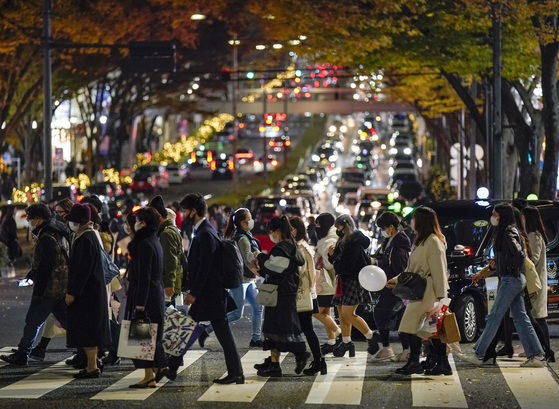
column 136, row 349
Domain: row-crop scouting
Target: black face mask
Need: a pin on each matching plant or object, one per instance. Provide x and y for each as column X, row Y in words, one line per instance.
column 189, row 220
column 321, row 232
column 340, row 233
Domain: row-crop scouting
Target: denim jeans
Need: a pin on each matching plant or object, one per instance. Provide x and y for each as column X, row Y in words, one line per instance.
column 39, row 310
column 246, row 291
column 509, row 295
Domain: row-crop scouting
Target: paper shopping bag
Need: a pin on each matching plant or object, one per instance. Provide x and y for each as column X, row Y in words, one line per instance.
column 180, row 332
column 143, row 349
column 449, row 332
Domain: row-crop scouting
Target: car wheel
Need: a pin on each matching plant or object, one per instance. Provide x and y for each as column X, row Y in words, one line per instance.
column 468, row 318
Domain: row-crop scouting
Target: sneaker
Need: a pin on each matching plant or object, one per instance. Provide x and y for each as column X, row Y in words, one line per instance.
column 383, row 354
column 470, row 357
column 256, row 344
column 38, row 353
column 522, row 355
column 534, row 362
column 16, row 358
column 402, row 356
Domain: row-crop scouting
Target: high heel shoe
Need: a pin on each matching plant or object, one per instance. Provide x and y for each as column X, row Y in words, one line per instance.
column 490, row 355
column 316, row 367
column 506, row 350
column 342, row 348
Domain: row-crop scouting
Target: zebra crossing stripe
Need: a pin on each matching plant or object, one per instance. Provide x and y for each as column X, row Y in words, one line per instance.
column 343, row 385
column 120, row 390
column 240, row 393
column 439, row 391
column 532, row 387
column 40, row 383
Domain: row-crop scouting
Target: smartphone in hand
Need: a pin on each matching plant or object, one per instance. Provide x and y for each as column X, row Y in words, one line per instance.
column 25, row 282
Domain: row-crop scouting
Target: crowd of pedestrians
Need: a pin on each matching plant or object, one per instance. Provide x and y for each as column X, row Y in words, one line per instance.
column 310, row 269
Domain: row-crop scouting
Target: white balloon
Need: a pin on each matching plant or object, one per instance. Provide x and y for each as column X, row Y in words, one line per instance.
column 372, row 278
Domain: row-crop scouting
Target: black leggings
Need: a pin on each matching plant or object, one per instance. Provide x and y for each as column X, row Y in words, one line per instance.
column 305, row 318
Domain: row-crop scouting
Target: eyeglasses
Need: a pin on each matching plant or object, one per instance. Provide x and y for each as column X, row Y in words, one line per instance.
column 61, row 212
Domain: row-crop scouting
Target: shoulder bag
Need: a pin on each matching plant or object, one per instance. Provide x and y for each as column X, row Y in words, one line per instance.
column 140, row 327
column 533, row 282
column 304, row 299
column 267, row 295
column 410, row 286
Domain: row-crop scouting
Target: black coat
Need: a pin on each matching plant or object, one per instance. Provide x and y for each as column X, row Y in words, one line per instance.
column 88, row 315
column 212, row 300
column 9, row 237
column 393, row 257
column 349, row 256
column 145, row 276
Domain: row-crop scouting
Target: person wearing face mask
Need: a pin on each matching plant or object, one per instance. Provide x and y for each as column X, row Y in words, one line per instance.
column 326, row 236
column 88, row 315
column 282, row 329
column 348, row 258
column 145, row 294
column 509, row 264
column 392, row 256
column 49, row 272
column 62, row 209
column 238, row 228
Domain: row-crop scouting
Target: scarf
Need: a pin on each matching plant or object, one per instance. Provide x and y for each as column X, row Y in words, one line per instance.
column 81, row 230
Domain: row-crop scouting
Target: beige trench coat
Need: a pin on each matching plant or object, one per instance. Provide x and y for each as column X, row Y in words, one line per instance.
column 429, row 260
column 539, row 302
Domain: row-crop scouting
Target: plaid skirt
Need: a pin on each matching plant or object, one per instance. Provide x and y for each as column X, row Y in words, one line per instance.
column 352, row 294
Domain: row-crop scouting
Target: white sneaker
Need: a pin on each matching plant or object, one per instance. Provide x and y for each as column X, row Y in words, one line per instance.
column 383, row 354
column 472, row 358
column 533, row 362
column 403, row 356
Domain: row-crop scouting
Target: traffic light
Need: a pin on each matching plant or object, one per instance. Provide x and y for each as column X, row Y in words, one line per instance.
column 250, row 75
column 225, row 75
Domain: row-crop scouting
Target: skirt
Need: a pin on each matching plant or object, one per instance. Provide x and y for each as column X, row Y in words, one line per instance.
column 325, row 301
column 281, row 328
column 352, row 294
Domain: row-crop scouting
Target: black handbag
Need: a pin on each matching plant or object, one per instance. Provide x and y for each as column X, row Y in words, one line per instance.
column 410, row 286
column 140, row 327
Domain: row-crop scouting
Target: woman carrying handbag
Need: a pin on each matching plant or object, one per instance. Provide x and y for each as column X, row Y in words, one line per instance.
column 307, row 305
column 427, row 260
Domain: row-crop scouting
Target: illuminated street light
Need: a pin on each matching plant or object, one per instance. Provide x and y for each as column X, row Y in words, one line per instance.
column 278, row 46
column 260, row 47
column 198, row 16
column 302, row 37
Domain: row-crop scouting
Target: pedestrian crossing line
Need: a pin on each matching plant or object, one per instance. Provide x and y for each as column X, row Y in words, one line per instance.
column 241, row 393
column 5, row 351
column 40, row 383
column 532, row 387
column 439, row 391
column 120, row 390
column 343, row 385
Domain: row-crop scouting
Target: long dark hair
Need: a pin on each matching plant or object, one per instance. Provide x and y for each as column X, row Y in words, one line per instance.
column 506, row 219
column 234, row 222
column 533, row 221
column 426, row 223
column 522, row 230
column 7, row 212
column 297, row 223
column 280, row 223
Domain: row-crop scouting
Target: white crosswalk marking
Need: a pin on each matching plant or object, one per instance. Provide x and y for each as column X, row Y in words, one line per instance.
column 343, row 385
column 40, row 383
column 241, row 393
column 532, row 387
column 121, row 390
column 439, row 391
column 5, row 351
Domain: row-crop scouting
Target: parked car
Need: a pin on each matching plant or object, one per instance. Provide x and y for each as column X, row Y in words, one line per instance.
column 465, row 224
column 20, row 216
column 144, row 182
column 105, row 190
column 177, row 173
column 158, row 172
column 222, row 169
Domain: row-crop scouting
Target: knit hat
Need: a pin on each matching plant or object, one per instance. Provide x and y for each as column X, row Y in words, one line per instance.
column 158, row 204
column 79, row 214
column 172, row 216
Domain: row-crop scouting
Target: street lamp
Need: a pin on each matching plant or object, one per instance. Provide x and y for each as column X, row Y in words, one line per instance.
column 260, row 47
column 198, row 16
column 277, row 46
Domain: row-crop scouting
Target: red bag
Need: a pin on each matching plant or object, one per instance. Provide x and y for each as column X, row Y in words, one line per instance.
column 339, row 291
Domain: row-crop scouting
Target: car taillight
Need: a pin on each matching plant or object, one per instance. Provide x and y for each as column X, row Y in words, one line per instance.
column 256, row 163
column 468, row 250
column 212, row 165
column 274, row 163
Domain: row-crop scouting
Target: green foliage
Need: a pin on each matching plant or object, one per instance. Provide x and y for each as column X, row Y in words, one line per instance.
column 438, row 185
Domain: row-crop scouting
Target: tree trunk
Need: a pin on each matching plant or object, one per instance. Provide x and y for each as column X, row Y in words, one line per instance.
column 548, row 181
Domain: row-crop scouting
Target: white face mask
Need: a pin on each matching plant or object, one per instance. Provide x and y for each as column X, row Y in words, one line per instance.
column 250, row 224
column 30, row 224
column 126, row 229
column 385, row 234
column 494, row 221
column 138, row 226
column 274, row 240
column 73, row 226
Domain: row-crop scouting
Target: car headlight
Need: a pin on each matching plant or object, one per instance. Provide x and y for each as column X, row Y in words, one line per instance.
column 333, row 158
column 376, row 204
column 315, row 158
column 407, row 151
column 393, row 151
column 390, row 171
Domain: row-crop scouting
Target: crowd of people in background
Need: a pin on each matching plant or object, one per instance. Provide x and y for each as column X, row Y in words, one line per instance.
column 312, row 267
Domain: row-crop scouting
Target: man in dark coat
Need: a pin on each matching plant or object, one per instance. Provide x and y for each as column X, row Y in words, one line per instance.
column 49, row 272
column 88, row 312
column 208, row 299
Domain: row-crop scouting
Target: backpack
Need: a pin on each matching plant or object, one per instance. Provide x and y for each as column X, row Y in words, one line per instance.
column 230, row 263
column 58, row 281
column 110, row 269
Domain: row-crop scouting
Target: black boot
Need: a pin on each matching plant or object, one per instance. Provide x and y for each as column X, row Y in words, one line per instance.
column 301, row 361
column 441, row 368
column 373, row 347
column 342, row 348
column 316, row 367
column 273, row 370
column 327, row 348
column 38, row 353
column 267, row 362
column 412, row 367
column 17, row 358
column 111, row 359
column 506, row 350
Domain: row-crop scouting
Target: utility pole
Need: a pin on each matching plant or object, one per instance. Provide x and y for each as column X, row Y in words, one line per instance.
column 264, row 141
column 497, row 111
column 47, row 99
column 234, row 103
column 461, row 141
column 472, row 182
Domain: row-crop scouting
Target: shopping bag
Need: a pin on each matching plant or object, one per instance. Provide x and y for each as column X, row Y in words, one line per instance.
column 143, row 349
column 449, row 332
column 304, row 300
column 180, row 332
column 431, row 324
